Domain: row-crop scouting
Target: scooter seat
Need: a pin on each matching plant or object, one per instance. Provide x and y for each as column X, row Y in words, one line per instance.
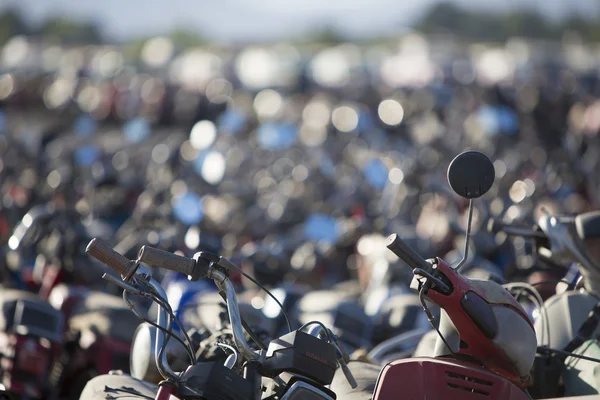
column 122, row 387
column 588, row 225
column 105, row 315
column 365, row 375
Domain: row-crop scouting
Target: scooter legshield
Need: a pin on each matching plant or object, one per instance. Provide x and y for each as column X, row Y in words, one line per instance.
column 444, row 379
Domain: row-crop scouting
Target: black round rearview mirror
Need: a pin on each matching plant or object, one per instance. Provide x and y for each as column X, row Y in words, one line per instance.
column 471, row 174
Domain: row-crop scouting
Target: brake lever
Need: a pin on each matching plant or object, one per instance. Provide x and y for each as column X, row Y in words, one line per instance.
column 131, row 306
column 444, row 289
column 125, row 286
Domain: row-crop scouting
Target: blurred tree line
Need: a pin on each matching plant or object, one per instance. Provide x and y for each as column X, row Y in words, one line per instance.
column 61, row 29
column 446, row 18
column 72, row 31
column 442, row 18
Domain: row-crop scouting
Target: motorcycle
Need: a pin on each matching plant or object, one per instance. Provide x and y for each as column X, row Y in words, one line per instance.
column 299, row 364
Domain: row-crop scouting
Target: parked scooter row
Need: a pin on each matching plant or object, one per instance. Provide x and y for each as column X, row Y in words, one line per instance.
column 486, row 345
column 299, row 187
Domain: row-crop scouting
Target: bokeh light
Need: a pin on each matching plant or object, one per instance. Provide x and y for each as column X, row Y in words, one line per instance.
column 391, row 112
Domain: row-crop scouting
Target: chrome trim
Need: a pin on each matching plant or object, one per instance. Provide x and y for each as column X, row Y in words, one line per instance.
column 291, row 392
column 163, row 320
column 234, row 315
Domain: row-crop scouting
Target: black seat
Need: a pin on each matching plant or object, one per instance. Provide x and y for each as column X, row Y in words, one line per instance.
column 588, row 225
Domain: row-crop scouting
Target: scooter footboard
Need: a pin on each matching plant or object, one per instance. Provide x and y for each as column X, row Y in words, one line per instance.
column 434, row 378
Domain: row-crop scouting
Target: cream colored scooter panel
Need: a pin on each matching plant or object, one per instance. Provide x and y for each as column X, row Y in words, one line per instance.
column 566, row 313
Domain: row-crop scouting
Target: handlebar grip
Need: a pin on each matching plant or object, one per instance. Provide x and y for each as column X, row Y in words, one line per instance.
column 103, row 253
column 164, row 259
column 405, row 253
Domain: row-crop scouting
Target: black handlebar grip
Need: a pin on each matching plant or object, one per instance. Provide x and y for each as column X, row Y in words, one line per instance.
column 164, row 259
column 405, row 253
column 103, row 253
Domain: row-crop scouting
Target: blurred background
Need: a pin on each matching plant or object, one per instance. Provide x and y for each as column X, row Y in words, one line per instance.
column 236, row 21
column 253, row 122
column 291, row 136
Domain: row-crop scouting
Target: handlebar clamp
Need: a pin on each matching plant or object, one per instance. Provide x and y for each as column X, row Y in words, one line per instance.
column 204, row 261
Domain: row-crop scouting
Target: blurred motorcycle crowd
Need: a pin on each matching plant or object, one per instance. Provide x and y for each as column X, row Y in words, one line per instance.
column 295, row 162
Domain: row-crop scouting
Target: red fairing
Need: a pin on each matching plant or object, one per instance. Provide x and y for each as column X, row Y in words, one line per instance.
column 479, row 346
column 443, row 379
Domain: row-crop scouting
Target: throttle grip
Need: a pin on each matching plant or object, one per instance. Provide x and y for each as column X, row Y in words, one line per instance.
column 164, row 259
column 106, row 255
column 406, row 254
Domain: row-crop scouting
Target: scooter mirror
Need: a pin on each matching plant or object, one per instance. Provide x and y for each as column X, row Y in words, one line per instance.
column 471, row 174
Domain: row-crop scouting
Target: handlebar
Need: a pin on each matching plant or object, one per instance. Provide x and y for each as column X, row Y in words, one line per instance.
column 496, row 226
column 406, row 254
column 195, row 267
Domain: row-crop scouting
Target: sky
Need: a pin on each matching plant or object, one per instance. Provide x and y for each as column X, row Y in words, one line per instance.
column 232, row 20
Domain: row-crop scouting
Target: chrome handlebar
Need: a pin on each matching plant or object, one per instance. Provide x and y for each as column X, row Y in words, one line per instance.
column 233, row 310
column 137, row 279
column 136, row 276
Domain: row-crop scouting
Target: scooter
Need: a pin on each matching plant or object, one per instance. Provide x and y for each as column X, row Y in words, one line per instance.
column 490, row 338
column 570, row 319
column 31, row 342
column 487, row 342
column 91, row 342
column 301, row 363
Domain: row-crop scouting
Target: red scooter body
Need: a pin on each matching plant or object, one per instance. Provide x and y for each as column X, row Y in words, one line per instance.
column 480, row 369
column 479, row 346
column 437, row 378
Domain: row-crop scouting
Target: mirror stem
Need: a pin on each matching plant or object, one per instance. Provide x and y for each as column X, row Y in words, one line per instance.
column 467, row 239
